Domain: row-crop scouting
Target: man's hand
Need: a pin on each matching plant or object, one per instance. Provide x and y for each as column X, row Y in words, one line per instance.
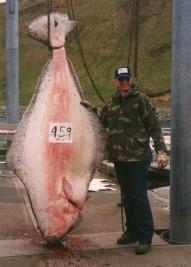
column 162, row 159
column 88, row 105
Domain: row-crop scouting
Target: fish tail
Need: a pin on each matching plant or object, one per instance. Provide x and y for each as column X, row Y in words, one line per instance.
column 51, row 30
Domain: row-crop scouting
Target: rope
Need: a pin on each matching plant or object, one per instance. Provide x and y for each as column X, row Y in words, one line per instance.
column 70, row 9
column 49, row 9
column 76, row 79
column 134, row 35
column 122, row 213
column 131, row 32
column 60, row 5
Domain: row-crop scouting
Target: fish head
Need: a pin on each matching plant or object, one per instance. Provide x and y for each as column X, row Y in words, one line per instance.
column 51, row 30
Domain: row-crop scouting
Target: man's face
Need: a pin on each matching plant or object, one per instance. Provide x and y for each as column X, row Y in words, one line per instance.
column 123, row 85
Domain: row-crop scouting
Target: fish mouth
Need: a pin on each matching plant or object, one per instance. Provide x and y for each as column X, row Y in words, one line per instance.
column 57, row 238
column 74, row 204
column 54, row 239
column 62, row 216
column 71, row 208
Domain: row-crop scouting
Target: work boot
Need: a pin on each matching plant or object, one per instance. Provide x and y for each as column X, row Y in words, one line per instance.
column 143, row 248
column 126, row 239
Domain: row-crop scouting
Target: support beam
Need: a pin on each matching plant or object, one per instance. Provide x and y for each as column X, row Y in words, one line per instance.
column 12, row 80
column 136, row 51
column 180, row 212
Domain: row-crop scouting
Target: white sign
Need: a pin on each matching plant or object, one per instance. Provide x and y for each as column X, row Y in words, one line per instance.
column 60, row 132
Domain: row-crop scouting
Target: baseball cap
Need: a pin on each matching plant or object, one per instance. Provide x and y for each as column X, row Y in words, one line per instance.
column 122, row 72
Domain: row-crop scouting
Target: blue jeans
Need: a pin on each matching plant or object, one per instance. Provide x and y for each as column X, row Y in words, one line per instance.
column 132, row 177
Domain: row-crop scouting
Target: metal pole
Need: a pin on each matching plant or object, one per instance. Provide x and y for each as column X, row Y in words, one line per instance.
column 180, row 196
column 136, row 38
column 12, row 80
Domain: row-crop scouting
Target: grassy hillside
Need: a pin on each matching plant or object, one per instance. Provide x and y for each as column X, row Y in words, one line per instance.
column 104, row 27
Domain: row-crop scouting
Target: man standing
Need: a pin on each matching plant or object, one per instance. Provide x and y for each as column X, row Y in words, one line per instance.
column 130, row 121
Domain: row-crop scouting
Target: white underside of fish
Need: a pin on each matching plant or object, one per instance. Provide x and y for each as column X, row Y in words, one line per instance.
column 55, row 173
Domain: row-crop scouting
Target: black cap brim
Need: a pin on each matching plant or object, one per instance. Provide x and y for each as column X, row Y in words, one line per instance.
column 123, row 76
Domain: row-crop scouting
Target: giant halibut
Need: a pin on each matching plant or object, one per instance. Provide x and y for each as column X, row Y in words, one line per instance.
column 58, row 144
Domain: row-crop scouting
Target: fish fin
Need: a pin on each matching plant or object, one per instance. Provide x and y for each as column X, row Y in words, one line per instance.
column 14, row 155
column 100, row 137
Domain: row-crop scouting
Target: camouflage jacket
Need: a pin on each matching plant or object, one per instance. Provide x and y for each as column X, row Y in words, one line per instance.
column 130, row 122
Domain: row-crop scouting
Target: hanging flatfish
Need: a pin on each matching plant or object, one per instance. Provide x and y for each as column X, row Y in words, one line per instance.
column 58, row 143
